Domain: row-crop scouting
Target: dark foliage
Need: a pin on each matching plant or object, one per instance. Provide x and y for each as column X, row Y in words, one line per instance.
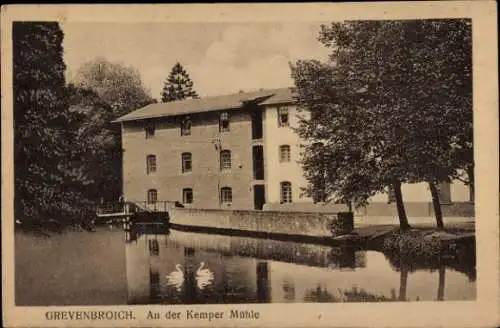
column 49, row 179
column 393, row 105
column 178, row 85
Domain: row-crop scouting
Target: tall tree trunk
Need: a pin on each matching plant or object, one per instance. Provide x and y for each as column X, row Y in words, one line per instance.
column 349, row 205
column 436, row 204
column 440, row 291
column 403, row 219
column 403, row 283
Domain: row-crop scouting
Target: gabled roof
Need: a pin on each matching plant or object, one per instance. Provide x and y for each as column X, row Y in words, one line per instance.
column 208, row 104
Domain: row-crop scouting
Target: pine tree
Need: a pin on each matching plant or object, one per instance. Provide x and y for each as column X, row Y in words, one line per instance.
column 178, row 85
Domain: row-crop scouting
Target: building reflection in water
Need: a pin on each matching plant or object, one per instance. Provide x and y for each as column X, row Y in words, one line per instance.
column 319, row 294
column 263, row 288
column 288, row 291
column 189, row 287
column 250, row 270
column 154, row 248
column 154, row 285
column 154, row 274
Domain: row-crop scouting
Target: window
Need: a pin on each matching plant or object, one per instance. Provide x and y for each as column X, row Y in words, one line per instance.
column 154, row 248
column 258, row 162
column 282, row 116
column 152, row 196
column 224, row 122
column 225, row 160
column 186, row 126
column 284, row 153
column 151, row 164
column 186, row 162
column 150, row 131
column 187, row 196
column 286, row 192
column 226, row 195
column 391, row 196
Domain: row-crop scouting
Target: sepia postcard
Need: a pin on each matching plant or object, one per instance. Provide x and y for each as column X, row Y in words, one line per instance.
column 260, row 165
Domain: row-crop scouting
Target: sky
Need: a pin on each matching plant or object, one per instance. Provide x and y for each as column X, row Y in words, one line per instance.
column 220, row 58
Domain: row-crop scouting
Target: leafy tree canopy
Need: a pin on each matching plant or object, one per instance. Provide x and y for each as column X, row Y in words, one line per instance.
column 393, row 104
column 117, row 85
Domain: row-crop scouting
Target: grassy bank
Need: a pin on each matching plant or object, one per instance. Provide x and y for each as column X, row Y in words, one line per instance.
column 417, row 242
column 427, row 248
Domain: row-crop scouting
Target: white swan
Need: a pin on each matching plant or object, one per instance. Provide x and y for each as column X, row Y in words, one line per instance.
column 204, row 277
column 176, row 278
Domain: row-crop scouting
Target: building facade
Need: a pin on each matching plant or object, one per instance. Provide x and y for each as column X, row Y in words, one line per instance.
column 238, row 151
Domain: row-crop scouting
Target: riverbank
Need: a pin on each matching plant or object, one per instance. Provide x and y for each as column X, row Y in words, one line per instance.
column 332, row 229
column 424, row 243
column 380, row 233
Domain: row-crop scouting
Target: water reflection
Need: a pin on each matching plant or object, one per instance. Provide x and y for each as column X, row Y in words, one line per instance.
column 111, row 270
column 263, row 288
column 440, row 292
column 154, row 284
column 464, row 262
column 251, row 270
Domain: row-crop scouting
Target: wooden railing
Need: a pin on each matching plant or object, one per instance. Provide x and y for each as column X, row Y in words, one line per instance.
column 110, row 208
column 158, row 206
column 125, row 208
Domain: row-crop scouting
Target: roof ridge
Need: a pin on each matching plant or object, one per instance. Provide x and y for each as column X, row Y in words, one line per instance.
column 210, row 103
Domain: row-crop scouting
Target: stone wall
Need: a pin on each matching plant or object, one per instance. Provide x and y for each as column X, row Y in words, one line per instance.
column 465, row 209
column 306, row 207
column 296, row 223
column 420, row 209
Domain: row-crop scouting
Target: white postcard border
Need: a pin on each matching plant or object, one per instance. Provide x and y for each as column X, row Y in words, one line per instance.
column 483, row 311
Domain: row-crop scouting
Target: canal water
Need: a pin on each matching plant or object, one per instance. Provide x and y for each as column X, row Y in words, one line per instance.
column 111, row 267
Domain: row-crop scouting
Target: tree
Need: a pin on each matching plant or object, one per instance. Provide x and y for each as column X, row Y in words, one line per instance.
column 47, row 178
column 355, row 169
column 178, row 85
column 117, row 85
column 104, row 91
column 96, row 141
column 394, row 99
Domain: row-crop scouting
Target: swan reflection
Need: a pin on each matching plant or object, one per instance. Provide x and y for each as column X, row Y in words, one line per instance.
column 176, row 278
column 204, row 277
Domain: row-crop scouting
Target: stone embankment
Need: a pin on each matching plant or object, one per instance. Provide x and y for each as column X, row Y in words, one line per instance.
column 307, row 224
